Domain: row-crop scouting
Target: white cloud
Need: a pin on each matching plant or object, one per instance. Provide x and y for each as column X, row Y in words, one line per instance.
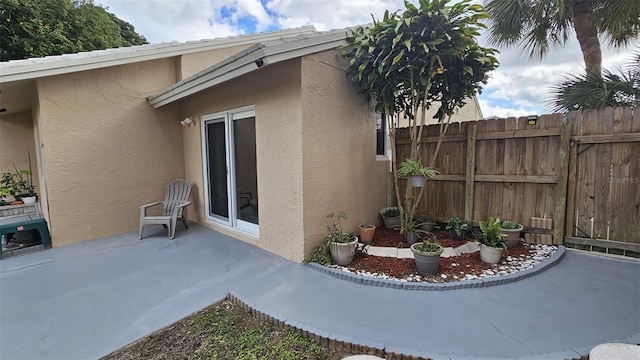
column 520, row 86
column 489, row 110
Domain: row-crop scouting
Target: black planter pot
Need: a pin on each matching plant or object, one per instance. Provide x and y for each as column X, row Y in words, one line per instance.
column 455, row 236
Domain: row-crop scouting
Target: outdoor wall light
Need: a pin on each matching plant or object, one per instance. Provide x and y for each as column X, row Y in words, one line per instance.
column 532, row 119
column 186, row 121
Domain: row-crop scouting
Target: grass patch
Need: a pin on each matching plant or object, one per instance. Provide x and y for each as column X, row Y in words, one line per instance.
column 224, row 331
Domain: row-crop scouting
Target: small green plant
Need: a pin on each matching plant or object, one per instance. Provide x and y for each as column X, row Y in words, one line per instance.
column 320, row 253
column 336, row 234
column 392, row 212
column 510, row 225
column 413, row 167
column 457, row 225
column 412, row 225
column 18, row 182
column 428, row 246
column 366, row 225
column 490, row 233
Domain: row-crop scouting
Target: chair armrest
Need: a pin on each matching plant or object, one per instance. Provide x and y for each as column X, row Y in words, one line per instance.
column 179, row 206
column 150, row 204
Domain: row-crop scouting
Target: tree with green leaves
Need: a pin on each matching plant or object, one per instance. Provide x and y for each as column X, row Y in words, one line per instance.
column 538, row 25
column 37, row 28
column 413, row 60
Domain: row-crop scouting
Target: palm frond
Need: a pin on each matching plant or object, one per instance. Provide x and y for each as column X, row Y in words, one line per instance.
column 590, row 91
column 534, row 26
column 617, row 20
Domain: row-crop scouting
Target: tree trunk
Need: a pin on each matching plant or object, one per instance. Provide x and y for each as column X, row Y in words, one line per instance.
column 587, row 35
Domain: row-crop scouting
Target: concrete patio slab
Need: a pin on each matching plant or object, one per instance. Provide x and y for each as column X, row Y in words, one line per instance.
column 85, row 300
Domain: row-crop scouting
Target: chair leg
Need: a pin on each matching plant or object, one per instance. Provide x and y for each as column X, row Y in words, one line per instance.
column 172, row 228
column 184, row 222
column 140, row 231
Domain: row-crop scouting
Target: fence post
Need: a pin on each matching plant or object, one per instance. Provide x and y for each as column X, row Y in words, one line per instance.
column 561, row 188
column 471, row 172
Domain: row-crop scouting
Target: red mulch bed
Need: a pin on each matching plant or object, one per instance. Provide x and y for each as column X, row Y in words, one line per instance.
column 401, row 268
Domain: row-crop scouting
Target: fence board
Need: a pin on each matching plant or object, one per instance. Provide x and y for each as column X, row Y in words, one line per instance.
column 517, row 172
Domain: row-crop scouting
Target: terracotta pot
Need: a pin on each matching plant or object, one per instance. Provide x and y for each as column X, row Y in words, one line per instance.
column 490, row 255
column 342, row 253
column 366, row 234
column 426, row 263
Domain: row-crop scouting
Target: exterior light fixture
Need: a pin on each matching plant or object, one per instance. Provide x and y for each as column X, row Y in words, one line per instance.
column 186, row 121
column 532, row 119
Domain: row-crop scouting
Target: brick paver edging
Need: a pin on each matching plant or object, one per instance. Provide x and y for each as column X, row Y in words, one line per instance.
column 464, row 284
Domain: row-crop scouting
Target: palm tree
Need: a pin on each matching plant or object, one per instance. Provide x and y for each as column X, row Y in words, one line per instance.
column 538, row 25
column 589, row 91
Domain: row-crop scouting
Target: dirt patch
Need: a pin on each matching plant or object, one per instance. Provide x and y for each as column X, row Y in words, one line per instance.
column 224, row 331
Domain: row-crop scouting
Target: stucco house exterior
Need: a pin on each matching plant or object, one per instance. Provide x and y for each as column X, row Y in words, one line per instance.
column 266, row 126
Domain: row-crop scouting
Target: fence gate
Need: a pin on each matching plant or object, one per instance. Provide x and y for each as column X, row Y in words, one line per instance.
column 603, row 204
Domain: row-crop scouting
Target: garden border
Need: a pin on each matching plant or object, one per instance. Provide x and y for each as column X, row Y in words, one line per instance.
column 454, row 285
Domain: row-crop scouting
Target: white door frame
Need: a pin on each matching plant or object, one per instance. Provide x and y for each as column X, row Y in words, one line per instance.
column 227, row 117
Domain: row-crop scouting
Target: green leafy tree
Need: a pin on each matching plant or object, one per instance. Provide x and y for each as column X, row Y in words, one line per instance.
column 538, row 25
column 37, row 28
column 409, row 61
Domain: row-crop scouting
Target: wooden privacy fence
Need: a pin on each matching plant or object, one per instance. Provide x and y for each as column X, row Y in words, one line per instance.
column 582, row 171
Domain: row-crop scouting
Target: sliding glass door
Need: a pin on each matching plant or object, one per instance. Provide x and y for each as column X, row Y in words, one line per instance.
column 230, row 168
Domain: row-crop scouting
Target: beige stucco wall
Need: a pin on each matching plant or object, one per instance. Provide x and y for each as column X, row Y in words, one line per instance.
column 339, row 143
column 315, row 151
column 17, row 140
column 193, row 63
column 275, row 92
column 469, row 112
column 106, row 150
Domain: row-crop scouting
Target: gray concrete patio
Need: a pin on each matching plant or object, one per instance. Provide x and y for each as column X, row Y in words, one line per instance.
column 85, row 300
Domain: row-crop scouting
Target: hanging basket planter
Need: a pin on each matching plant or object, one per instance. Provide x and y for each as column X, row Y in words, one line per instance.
column 417, row 181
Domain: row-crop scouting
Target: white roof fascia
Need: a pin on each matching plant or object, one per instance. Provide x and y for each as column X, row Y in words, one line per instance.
column 245, row 62
column 16, row 70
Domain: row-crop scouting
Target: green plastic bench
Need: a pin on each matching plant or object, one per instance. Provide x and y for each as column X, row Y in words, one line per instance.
column 28, row 225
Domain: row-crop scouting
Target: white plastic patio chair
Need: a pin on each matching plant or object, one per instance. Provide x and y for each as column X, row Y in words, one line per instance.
column 176, row 198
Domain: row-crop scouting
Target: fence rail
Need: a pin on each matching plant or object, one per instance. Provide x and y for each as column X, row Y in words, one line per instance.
column 582, row 171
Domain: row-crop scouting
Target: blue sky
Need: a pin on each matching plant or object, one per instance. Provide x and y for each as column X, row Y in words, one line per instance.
column 518, row 87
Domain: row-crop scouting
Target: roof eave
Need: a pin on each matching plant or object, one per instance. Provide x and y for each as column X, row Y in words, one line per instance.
column 68, row 63
column 237, row 66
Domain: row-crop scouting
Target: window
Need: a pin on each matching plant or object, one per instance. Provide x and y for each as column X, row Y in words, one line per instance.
column 383, row 145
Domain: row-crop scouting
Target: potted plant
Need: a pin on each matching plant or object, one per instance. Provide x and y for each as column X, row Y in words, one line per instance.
column 4, row 192
column 427, row 225
column 412, row 229
column 492, row 241
column 415, row 172
column 391, row 217
column 367, row 231
column 17, row 184
column 427, row 256
column 457, row 228
column 512, row 231
column 342, row 245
